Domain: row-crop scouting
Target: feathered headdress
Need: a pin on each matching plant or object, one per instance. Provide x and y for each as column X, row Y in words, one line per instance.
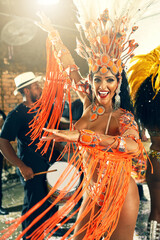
column 144, row 66
column 107, row 26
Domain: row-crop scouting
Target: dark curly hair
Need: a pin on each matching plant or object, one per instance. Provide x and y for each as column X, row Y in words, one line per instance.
column 147, row 105
column 126, row 102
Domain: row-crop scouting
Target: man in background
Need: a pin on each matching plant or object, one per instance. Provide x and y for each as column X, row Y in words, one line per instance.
column 28, row 160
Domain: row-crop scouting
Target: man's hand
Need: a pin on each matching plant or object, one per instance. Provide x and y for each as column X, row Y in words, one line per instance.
column 26, row 172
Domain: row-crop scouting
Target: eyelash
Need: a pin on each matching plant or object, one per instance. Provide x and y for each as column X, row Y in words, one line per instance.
column 108, row 80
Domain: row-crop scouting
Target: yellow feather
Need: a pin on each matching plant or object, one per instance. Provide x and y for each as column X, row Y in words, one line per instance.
column 143, row 66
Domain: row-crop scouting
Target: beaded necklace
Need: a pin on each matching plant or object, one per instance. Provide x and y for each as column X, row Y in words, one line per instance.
column 96, row 111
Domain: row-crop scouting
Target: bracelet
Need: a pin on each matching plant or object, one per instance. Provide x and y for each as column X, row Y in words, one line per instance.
column 121, row 144
column 54, row 36
column 88, row 137
column 55, row 39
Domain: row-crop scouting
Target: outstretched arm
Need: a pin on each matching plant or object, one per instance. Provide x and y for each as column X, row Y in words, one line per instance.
column 65, row 55
column 126, row 142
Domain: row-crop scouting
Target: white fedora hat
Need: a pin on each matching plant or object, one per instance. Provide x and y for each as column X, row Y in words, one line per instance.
column 24, row 80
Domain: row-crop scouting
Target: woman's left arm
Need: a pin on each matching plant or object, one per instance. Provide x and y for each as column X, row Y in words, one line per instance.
column 127, row 141
column 90, row 138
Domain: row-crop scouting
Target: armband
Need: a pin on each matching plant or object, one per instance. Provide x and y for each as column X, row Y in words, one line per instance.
column 88, row 137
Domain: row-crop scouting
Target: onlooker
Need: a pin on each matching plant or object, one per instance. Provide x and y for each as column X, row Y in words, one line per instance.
column 29, row 161
column 145, row 91
column 2, row 210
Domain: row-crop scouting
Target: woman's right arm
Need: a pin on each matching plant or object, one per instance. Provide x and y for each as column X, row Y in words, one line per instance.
column 66, row 58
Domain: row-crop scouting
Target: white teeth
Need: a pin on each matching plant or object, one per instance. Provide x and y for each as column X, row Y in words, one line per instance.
column 103, row 93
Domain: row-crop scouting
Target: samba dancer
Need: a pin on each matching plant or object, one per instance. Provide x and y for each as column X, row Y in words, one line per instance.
column 106, row 135
column 27, row 161
column 144, row 81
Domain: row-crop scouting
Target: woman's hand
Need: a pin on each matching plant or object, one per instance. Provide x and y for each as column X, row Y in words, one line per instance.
column 61, row 135
column 45, row 23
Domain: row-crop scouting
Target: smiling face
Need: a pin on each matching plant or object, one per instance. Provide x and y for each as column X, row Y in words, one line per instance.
column 104, row 87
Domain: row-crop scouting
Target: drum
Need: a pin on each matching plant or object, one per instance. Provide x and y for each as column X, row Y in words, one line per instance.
column 68, row 186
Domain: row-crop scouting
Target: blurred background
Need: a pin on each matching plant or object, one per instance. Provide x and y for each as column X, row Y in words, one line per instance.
column 22, row 43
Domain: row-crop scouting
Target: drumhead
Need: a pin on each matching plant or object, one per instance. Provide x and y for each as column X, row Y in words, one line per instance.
column 52, row 177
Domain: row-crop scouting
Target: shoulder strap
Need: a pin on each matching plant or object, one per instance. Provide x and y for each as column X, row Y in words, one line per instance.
column 109, row 119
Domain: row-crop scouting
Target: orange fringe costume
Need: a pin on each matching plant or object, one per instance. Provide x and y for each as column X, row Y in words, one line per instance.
column 114, row 165
column 109, row 192
column 114, row 171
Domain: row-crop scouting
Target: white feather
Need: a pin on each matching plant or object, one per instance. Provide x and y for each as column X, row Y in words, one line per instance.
column 134, row 10
column 124, row 14
column 90, row 10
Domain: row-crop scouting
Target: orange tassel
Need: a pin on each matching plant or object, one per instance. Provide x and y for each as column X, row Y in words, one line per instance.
column 50, row 105
column 117, row 167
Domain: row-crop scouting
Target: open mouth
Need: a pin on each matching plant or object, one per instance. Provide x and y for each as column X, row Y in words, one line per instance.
column 103, row 94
